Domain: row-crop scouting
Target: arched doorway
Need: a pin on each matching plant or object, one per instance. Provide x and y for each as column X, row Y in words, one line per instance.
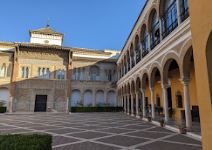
column 146, row 95
column 209, row 62
column 157, row 92
column 100, row 98
column 75, row 98
column 139, row 95
column 88, row 99
column 171, row 78
column 4, row 96
column 111, row 95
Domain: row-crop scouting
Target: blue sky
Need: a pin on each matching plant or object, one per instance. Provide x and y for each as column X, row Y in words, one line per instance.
column 97, row 24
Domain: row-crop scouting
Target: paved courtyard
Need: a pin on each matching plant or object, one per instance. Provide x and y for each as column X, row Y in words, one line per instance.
column 97, row 131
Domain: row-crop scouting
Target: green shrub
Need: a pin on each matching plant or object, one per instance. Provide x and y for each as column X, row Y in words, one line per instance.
column 25, row 142
column 3, row 109
column 96, row 109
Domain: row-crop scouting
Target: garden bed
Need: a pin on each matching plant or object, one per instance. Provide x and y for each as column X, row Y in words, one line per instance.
column 25, row 142
column 96, row 109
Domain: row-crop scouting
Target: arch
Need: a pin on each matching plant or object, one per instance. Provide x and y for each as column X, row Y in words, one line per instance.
column 111, row 95
column 138, row 84
column 137, row 49
column 144, row 40
column 88, row 98
column 155, row 75
column 144, row 80
column 170, row 55
column 3, row 70
column 100, row 98
column 75, row 97
column 168, row 15
column 170, row 63
column 132, row 54
column 209, row 62
column 154, row 28
column 132, row 87
column 4, row 96
column 186, row 64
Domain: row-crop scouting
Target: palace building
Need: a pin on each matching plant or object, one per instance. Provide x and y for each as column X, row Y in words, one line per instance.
column 42, row 75
column 161, row 66
column 163, row 70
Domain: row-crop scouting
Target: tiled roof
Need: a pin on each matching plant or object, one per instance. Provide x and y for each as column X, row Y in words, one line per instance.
column 46, row 30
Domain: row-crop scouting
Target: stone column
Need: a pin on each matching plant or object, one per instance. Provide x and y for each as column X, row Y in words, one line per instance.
column 152, row 102
column 94, row 98
column 125, row 104
column 67, row 105
column 178, row 12
column 132, row 105
column 161, row 29
column 137, row 113
column 185, row 83
column 128, row 104
column 165, row 105
column 144, row 104
column 130, row 62
column 149, row 41
column 105, row 97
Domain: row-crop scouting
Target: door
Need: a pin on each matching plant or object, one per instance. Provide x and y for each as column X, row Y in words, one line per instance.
column 40, row 103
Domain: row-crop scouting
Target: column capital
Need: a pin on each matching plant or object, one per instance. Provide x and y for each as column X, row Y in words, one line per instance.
column 185, row 81
column 164, row 86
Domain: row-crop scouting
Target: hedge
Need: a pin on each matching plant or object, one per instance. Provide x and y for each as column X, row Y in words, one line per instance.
column 25, row 142
column 3, row 109
column 96, row 109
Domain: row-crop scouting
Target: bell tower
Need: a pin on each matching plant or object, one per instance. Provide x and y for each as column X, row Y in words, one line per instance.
column 46, row 36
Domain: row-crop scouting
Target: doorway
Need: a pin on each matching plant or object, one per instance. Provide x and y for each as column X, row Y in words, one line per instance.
column 40, row 103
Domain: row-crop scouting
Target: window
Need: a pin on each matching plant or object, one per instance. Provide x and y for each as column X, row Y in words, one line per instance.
column 184, row 9
column 60, row 74
column 144, row 42
column 25, row 72
column 109, row 75
column 94, row 73
column 3, row 70
column 155, row 30
column 179, row 100
column 137, row 50
column 44, row 73
column 169, row 19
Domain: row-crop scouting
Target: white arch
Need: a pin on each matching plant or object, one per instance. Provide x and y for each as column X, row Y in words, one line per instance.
column 100, row 97
column 111, row 95
column 75, row 98
column 4, row 96
column 88, row 99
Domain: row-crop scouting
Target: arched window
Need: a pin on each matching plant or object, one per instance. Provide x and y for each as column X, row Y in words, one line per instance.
column 3, row 70
column 184, row 13
column 128, row 61
column 154, row 29
column 144, row 41
column 25, row 72
column 94, row 73
column 137, row 49
column 132, row 56
column 169, row 19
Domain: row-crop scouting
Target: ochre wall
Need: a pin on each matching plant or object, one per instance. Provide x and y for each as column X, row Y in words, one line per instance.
column 201, row 26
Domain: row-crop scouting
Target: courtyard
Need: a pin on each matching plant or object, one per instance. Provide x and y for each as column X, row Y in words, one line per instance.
column 94, row 131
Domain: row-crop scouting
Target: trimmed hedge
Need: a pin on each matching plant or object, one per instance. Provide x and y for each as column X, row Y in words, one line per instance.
column 96, row 109
column 25, row 142
column 3, row 109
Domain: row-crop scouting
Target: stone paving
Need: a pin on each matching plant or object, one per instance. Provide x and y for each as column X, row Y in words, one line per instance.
column 97, row 131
